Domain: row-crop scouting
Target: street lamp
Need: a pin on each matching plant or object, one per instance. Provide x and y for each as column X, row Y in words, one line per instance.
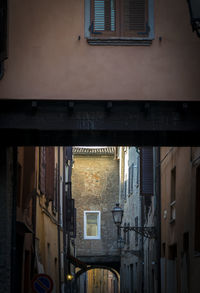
column 118, row 212
column 194, row 7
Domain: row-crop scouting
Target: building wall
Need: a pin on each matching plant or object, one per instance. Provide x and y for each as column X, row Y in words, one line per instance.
column 44, row 52
column 6, row 218
column 95, row 188
column 139, row 265
column 130, row 200
column 177, row 239
column 25, row 216
column 47, row 222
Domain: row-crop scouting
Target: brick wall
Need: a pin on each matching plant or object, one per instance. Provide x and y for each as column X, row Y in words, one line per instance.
column 95, row 183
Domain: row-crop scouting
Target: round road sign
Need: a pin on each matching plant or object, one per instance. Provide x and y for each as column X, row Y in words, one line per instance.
column 42, row 283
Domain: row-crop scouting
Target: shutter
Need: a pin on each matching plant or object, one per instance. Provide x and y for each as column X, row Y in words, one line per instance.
column 70, row 216
column 146, row 170
column 42, row 170
column 73, row 224
column 129, row 181
column 68, row 153
column 103, row 18
column 3, row 30
column 98, row 15
column 134, row 18
column 132, row 178
column 55, row 200
column 50, row 173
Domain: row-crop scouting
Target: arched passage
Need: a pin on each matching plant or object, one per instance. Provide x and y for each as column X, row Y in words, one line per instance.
column 99, row 280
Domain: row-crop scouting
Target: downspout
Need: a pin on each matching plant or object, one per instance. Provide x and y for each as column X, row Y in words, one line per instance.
column 59, row 222
column 14, row 214
column 34, row 219
column 2, row 70
column 158, row 215
column 64, row 224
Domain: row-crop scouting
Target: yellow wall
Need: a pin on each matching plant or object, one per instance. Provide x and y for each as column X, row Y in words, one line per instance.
column 47, row 234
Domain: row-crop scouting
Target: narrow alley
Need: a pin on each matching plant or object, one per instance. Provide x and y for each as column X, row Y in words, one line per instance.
column 100, row 146
column 106, row 219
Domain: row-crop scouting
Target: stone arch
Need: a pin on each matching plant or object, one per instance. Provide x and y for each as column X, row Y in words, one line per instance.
column 82, row 271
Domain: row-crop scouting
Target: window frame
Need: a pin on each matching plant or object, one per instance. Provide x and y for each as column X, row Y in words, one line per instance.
column 110, row 40
column 98, row 225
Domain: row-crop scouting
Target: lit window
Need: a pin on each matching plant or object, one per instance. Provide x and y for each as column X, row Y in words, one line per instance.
column 92, row 225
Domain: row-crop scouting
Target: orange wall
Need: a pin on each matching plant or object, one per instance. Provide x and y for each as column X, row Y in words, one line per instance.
column 47, row 61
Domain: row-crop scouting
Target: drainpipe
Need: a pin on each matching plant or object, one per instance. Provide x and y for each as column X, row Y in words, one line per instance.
column 59, row 223
column 142, row 242
column 14, row 213
column 158, row 214
column 66, row 240
column 2, row 70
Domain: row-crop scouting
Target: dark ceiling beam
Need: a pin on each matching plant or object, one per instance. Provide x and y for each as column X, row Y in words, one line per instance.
column 99, row 123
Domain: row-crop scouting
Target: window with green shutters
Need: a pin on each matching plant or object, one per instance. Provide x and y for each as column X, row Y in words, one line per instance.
column 119, row 19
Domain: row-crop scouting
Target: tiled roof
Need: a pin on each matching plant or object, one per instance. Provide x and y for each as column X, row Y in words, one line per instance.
column 93, row 150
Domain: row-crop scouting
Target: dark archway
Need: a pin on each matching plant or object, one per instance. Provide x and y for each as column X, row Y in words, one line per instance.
column 82, row 271
column 98, row 267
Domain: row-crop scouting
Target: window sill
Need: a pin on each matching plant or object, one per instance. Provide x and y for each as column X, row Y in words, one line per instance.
column 118, row 42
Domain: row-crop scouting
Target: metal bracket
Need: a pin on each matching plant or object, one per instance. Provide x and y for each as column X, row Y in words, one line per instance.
column 148, row 232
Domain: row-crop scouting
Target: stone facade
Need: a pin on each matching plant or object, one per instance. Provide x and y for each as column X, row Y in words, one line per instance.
column 95, row 187
column 130, row 201
column 138, row 253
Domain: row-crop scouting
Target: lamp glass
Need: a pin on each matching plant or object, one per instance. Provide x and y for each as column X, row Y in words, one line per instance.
column 117, row 214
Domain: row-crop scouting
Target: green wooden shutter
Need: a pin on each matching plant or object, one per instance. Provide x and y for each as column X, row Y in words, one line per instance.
column 103, row 18
column 3, row 30
column 134, row 18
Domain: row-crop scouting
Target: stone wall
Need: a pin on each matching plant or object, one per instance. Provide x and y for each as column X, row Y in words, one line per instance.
column 95, row 178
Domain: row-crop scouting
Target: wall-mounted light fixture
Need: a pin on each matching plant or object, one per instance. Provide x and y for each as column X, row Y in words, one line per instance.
column 70, row 277
column 118, row 212
column 194, row 6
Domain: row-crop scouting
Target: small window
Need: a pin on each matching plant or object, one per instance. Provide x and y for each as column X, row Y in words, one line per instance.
column 118, row 21
column 92, row 225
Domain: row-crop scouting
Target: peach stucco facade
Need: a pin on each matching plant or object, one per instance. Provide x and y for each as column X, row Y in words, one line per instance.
column 46, row 59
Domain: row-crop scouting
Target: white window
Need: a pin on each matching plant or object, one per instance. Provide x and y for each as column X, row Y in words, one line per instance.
column 92, row 224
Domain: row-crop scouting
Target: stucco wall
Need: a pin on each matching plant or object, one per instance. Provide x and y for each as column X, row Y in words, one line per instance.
column 95, row 188
column 47, row 61
column 186, row 161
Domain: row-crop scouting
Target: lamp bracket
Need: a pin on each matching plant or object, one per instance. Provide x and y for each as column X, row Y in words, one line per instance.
column 148, row 232
column 134, row 252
